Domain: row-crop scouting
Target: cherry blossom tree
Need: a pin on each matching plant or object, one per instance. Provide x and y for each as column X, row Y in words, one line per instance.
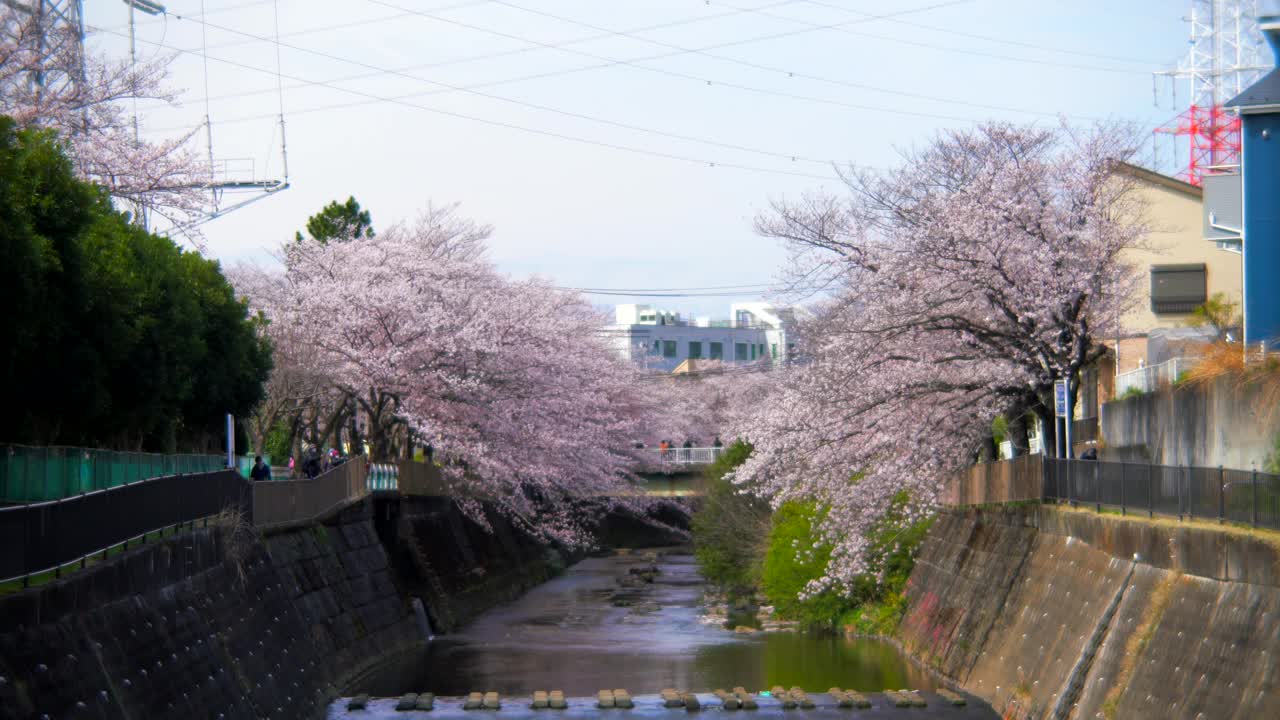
column 968, row 280
column 513, row 383
column 48, row 80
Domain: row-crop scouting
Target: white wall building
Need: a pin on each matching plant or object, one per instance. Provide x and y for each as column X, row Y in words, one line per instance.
column 662, row 340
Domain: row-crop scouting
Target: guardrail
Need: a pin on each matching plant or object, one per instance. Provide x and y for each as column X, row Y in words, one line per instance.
column 1238, row 496
column 45, row 536
column 688, row 456
column 37, row 474
column 287, row 501
column 1152, row 377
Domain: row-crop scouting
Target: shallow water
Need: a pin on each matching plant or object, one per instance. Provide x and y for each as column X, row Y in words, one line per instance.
column 584, row 631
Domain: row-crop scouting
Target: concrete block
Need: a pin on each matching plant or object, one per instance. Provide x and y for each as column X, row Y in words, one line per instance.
column 426, row 701
column 408, row 701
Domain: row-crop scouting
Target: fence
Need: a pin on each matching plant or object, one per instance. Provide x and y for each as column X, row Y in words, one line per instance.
column 689, row 456
column 287, row 501
column 44, row 536
column 422, row 479
column 1016, row 480
column 1148, row 379
column 1241, row 496
column 38, row 474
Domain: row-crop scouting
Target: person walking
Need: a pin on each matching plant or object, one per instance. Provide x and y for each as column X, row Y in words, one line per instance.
column 261, row 471
column 717, row 443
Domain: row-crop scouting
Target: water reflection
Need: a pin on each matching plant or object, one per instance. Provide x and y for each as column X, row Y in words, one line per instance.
column 595, row 628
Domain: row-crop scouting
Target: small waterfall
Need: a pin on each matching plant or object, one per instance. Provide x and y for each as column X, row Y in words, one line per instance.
column 424, row 622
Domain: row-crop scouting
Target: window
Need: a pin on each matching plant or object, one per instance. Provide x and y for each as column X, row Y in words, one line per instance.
column 668, row 348
column 717, row 351
column 695, row 350
column 761, row 349
column 657, row 347
column 740, row 351
column 1177, row 288
column 775, row 351
column 753, row 351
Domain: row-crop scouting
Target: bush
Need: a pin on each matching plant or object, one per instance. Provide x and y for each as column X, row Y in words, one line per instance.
column 729, row 531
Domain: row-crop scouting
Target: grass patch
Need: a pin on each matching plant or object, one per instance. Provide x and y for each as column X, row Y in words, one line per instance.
column 1271, row 537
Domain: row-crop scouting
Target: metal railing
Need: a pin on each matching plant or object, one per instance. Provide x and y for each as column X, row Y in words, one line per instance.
column 38, row 474
column 688, row 456
column 288, row 501
column 1238, row 496
column 46, row 536
column 1151, row 378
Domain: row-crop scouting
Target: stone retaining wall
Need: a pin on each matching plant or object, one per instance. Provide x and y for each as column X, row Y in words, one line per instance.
column 1008, row 602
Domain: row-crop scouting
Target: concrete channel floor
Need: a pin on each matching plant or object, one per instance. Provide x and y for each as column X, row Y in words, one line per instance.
column 650, row 706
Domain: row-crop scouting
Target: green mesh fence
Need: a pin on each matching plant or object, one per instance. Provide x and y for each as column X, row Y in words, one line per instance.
column 36, row 474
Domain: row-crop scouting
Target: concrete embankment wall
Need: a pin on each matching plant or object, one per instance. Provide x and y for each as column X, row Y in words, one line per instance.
column 233, row 624
column 1044, row 613
column 1220, row 423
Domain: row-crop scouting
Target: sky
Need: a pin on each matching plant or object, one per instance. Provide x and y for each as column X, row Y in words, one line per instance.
column 616, row 144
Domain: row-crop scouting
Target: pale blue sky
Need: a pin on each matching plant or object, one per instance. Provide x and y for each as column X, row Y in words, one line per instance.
column 587, row 215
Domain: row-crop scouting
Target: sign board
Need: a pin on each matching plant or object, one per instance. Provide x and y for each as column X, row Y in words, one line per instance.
column 1060, row 398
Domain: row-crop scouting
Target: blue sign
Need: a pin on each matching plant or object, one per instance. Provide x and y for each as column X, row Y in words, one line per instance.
column 1060, row 397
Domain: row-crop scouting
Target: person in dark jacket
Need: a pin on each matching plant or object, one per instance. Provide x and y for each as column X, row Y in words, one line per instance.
column 261, row 470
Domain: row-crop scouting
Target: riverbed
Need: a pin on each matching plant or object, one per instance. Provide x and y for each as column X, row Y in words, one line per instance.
column 611, row 622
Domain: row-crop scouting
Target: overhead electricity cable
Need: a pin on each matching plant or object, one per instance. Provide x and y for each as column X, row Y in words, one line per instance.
column 931, row 46
column 994, row 38
column 773, row 69
column 710, row 287
column 793, row 157
column 514, row 126
column 612, row 62
column 638, row 63
column 484, row 56
column 355, row 23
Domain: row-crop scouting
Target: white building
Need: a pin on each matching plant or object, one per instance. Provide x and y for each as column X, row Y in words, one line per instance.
column 662, row 340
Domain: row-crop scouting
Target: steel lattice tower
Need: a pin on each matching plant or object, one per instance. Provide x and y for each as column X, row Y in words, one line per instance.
column 1223, row 59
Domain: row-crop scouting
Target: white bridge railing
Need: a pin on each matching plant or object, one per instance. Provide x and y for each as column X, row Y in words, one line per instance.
column 687, row 456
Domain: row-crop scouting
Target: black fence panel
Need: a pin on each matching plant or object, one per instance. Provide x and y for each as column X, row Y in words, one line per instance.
column 1202, row 493
column 41, row 536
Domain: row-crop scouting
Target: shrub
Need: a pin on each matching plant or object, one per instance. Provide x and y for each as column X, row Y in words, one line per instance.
column 730, row 529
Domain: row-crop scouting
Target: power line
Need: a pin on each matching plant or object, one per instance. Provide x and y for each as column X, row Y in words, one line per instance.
column 633, row 62
column 993, row 38
column 515, row 126
column 637, row 63
column 775, row 69
column 793, row 157
column 931, row 46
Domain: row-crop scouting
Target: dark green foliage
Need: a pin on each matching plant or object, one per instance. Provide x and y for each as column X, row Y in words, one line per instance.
column 728, row 532
column 339, row 222
column 114, row 337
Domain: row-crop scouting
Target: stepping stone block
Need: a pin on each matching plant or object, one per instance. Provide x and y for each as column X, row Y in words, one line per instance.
column 622, row 699
column 691, row 702
column 474, row 701
column 914, row 697
column 426, row 702
column 408, row 701
column 671, row 698
column 557, row 700
column 490, row 701
column 604, row 699
column 896, row 699
column 540, row 700
column 358, row 702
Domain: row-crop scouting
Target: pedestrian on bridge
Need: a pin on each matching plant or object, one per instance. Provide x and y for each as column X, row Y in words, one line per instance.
column 261, row 471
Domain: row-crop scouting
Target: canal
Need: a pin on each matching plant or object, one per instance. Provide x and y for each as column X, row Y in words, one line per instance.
column 610, row 622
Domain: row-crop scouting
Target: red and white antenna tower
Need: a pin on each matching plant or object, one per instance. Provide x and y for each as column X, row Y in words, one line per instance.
column 1224, row 58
